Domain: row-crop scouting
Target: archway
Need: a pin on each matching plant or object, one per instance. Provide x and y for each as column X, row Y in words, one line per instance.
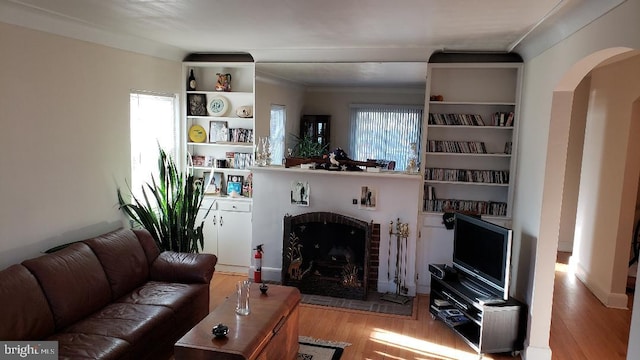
column 565, row 105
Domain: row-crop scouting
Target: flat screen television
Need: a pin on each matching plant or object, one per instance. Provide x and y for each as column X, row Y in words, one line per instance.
column 482, row 252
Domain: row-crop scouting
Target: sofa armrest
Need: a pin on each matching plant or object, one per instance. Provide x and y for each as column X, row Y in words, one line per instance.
column 186, row 268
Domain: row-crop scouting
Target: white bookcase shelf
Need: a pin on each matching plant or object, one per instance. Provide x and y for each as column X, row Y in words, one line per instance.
column 469, row 129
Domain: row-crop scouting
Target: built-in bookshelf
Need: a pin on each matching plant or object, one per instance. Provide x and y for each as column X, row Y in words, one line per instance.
column 470, row 137
column 218, row 120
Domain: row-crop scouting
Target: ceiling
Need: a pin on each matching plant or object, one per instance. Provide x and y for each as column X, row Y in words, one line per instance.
column 376, row 32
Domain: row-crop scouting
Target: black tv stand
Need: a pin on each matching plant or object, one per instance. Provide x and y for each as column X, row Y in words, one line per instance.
column 486, row 326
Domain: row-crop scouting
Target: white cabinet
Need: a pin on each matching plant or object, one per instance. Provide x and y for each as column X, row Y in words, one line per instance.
column 470, row 138
column 227, row 232
column 234, row 234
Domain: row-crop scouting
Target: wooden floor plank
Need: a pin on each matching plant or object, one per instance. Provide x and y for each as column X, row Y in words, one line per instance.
column 581, row 328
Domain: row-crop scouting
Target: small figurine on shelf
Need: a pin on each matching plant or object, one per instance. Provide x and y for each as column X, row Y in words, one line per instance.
column 263, row 152
column 412, row 166
column 224, row 82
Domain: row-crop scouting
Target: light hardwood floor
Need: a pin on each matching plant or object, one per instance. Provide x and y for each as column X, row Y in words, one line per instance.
column 582, row 328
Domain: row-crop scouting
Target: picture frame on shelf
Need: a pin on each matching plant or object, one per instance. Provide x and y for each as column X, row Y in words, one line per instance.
column 197, row 105
column 198, row 160
column 234, row 185
column 214, row 183
column 218, row 131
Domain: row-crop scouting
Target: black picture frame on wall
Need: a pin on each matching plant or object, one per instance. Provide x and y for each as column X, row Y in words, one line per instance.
column 196, row 105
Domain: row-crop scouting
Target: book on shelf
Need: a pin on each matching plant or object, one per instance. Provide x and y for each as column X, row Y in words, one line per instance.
column 455, row 119
column 508, row 147
column 462, row 147
column 480, row 207
column 509, row 121
column 467, row 175
column 503, row 118
column 450, row 315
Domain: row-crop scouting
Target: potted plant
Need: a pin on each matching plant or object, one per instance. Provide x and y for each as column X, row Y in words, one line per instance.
column 305, row 150
column 168, row 208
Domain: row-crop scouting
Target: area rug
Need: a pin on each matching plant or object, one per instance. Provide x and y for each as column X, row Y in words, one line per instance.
column 315, row 349
column 373, row 304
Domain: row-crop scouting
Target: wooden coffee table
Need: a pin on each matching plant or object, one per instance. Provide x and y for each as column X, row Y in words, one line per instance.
column 270, row 331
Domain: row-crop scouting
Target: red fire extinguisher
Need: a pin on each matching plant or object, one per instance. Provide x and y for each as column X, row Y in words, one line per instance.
column 257, row 274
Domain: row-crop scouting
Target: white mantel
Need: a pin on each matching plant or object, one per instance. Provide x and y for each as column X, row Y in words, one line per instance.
column 334, row 191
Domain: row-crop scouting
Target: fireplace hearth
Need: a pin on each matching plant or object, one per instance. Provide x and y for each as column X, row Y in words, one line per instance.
column 327, row 254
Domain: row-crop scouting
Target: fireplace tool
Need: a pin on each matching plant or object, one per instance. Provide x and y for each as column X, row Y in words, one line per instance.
column 402, row 234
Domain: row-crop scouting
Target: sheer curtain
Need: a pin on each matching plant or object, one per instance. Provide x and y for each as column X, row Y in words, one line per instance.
column 385, row 132
column 153, row 122
column 276, row 133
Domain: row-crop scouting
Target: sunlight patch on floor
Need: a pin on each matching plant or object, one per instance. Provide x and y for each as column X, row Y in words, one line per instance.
column 424, row 348
column 560, row 267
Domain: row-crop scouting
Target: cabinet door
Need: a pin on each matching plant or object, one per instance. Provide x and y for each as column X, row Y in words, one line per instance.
column 234, row 238
column 210, row 230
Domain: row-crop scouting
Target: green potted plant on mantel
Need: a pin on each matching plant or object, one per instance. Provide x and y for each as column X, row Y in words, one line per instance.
column 305, row 150
column 169, row 208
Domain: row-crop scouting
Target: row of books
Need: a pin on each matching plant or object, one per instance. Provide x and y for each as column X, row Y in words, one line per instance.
column 466, row 175
column 455, row 119
column 474, row 147
column 472, row 206
column 503, row 118
column 241, row 135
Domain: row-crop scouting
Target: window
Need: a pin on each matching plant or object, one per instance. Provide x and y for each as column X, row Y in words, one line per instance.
column 153, row 122
column 385, row 132
column 276, row 131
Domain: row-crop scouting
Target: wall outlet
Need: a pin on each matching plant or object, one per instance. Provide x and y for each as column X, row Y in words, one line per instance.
column 354, row 201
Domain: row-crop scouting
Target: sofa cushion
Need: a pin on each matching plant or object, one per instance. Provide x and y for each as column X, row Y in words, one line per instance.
column 123, row 260
column 148, row 244
column 73, row 282
column 89, row 346
column 134, row 323
column 171, row 295
column 188, row 268
column 25, row 311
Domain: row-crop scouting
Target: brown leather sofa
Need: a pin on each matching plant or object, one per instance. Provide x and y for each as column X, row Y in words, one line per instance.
column 115, row 296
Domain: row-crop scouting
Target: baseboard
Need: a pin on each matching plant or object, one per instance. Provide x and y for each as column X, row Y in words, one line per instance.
column 390, row 286
column 609, row 299
column 536, row 353
column 269, row 274
column 565, row 246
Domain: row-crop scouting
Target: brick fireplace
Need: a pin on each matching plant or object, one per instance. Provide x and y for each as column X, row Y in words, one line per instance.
column 330, row 254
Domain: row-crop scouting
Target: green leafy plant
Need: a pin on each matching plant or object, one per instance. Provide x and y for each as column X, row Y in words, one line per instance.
column 168, row 208
column 307, row 147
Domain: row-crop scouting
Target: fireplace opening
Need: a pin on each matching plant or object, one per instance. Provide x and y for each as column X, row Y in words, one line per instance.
column 327, row 254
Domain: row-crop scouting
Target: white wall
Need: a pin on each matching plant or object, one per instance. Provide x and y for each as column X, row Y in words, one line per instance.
column 64, row 136
column 603, row 225
column 534, row 272
column 574, row 163
column 333, row 192
column 269, row 92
